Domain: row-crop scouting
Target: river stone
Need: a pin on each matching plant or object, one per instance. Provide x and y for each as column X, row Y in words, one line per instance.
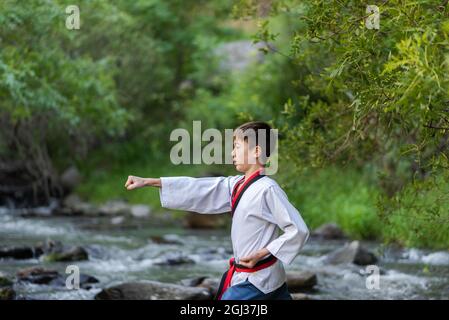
column 152, row 290
column 40, row 275
column 351, row 253
column 117, row 220
column 140, row 211
column 192, row 282
column 172, row 259
column 167, row 239
column 4, row 280
column 329, row 231
column 70, row 178
column 85, row 281
column 194, row 220
column 71, row 254
column 301, row 296
column 301, row 280
column 19, row 253
column 73, row 205
column 210, row 284
column 115, row 208
column 7, row 293
column 37, row 275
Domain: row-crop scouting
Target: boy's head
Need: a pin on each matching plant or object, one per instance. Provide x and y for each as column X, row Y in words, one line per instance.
column 253, row 144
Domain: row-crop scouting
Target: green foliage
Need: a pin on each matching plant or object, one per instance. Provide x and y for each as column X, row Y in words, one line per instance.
column 367, row 96
column 344, row 196
column 403, row 214
column 37, row 76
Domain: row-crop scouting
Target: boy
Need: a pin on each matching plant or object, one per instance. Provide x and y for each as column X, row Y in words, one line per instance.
column 258, row 207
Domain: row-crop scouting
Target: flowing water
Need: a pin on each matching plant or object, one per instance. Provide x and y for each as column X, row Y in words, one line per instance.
column 127, row 254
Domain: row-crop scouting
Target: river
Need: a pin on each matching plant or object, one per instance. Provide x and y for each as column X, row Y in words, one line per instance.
column 122, row 254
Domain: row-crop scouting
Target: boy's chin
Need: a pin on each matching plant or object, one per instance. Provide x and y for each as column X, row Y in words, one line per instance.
column 239, row 168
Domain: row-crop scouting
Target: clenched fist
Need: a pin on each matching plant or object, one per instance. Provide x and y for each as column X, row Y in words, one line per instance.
column 134, row 182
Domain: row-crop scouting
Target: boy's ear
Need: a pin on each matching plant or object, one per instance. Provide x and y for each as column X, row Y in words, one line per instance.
column 258, row 151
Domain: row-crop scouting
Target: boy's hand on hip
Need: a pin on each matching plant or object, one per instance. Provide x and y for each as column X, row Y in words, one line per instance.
column 251, row 260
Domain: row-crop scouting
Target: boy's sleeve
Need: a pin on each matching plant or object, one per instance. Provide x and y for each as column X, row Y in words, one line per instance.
column 202, row 195
column 287, row 246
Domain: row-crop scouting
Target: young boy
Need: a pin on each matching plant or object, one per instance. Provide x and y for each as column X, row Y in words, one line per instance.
column 258, row 207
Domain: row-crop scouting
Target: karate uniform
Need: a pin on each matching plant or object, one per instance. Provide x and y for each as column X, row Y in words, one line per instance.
column 262, row 209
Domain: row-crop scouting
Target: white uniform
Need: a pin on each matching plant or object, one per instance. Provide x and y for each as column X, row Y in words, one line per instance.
column 262, row 210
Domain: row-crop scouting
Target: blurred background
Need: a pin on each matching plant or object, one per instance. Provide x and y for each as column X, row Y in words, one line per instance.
column 362, row 114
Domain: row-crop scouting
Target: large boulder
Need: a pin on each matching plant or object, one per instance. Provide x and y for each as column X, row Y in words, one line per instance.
column 152, row 290
column 351, row 253
column 301, row 280
column 329, row 231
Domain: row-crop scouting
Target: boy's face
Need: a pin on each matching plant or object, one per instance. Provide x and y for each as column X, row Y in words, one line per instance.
column 242, row 157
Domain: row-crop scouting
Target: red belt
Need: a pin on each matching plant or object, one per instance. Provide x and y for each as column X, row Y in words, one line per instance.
column 227, row 276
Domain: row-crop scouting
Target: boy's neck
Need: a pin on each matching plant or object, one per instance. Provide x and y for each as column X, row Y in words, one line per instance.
column 252, row 170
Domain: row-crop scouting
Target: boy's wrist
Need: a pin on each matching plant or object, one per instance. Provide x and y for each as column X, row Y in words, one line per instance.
column 152, row 182
column 262, row 253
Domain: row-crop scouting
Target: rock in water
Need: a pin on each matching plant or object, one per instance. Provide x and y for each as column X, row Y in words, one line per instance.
column 194, row 220
column 70, row 254
column 39, row 275
column 7, row 293
column 115, row 208
column 73, row 205
column 5, row 281
column 6, row 290
column 152, row 290
column 17, row 252
column 298, row 281
column 351, row 253
column 301, row 296
column 173, row 259
column 140, row 211
column 329, row 231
